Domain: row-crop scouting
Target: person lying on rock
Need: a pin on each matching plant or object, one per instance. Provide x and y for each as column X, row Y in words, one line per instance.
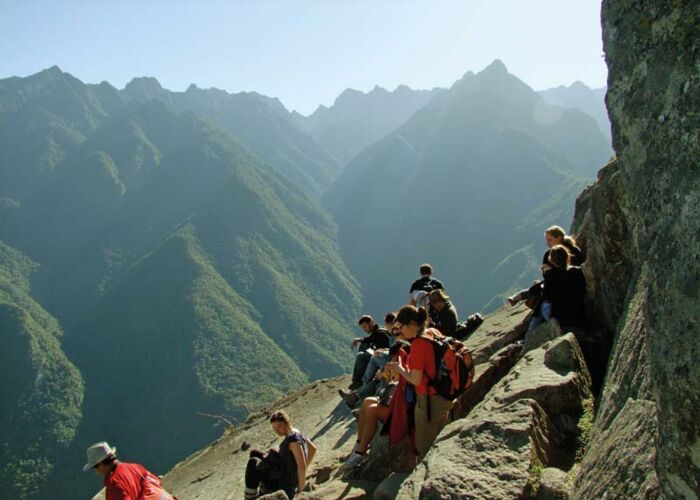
column 554, row 235
column 288, row 464
column 432, row 410
column 376, row 338
column 123, row 481
column 563, row 291
column 377, row 409
column 372, row 377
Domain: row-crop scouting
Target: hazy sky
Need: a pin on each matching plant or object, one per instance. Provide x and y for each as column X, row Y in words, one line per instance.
column 304, row 52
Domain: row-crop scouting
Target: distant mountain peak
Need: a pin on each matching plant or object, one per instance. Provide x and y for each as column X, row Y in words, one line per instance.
column 144, row 83
column 496, row 67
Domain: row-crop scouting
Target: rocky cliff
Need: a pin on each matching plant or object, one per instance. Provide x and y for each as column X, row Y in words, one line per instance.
column 641, row 221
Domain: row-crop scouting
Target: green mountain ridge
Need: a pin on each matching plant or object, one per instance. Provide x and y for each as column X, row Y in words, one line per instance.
column 179, row 264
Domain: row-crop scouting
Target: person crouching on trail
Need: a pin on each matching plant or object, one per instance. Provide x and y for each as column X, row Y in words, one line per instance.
column 123, row 481
column 376, row 338
column 432, row 410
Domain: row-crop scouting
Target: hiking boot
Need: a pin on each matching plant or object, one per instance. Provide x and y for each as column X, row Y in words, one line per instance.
column 514, row 299
column 350, row 397
column 353, row 460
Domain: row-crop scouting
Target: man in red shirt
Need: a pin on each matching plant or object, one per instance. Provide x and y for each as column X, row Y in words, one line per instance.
column 123, row 481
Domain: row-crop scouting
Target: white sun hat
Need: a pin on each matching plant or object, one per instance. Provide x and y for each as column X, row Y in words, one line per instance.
column 97, row 453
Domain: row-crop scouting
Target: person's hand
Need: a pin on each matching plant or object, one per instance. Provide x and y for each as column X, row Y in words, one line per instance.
column 379, row 352
column 378, row 375
column 355, row 343
column 545, row 267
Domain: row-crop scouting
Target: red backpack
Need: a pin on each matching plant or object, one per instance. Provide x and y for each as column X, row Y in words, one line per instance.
column 454, row 367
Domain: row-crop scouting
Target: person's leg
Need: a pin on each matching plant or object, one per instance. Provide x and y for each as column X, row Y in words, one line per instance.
column 546, row 311
column 252, row 478
column 375, row 414
column 371, row 369
column 439, row 413
column 361, row 360
column 367, row 390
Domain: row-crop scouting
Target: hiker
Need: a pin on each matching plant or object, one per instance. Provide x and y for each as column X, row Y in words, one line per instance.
column 123, row 481
column 554, row 235
column 376, row 338
column 295, row 453
column 432, row 410
column 370, row 381
column 445, row 312
column 376, row 409
column 418, row 294
column 563, row 290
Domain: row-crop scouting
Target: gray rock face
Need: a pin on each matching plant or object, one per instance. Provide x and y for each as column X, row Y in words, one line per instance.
column 522, row 425
column 552, row 485
column 641, row 223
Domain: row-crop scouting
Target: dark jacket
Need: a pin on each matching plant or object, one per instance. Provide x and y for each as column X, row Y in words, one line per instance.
column 446, row 320
column 566, row 290
column 378, row 338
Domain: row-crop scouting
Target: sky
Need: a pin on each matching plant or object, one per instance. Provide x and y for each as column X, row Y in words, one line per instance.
column 303, row 52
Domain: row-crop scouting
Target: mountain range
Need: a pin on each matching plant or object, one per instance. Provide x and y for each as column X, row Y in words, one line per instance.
column 169, row 256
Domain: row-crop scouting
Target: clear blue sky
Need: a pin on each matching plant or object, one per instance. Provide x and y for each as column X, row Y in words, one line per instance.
column 304, row 52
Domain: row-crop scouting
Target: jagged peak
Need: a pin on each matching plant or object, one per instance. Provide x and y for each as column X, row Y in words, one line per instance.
column 495, row 68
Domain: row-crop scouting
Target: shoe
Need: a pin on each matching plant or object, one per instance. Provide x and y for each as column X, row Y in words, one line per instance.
column 514, row 299
column 354, row 385
column 350, row 397
column 354, row 460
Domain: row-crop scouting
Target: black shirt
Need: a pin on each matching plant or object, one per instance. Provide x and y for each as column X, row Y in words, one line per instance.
column 427, row 284
column 290, row 479
column 378, row 338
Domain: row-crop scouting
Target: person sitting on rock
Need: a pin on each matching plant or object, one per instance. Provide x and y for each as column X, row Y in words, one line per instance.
column 122, row 481
column 370, row 380
column 554, row 235
column 445, row 312
column 432, row 410
column 296, row 452
column 563, row 291
column 417, row 295
column 376, row 409
column 376, row 338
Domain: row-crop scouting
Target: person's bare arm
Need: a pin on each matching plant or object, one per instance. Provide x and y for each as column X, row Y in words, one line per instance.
column 312, row 451
column 300, row 459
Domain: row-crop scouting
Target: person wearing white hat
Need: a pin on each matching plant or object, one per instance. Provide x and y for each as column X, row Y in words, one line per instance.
column 123, row 481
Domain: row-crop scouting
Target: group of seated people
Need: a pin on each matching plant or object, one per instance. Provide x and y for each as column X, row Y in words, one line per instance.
column 561, row 292
column 395, row 363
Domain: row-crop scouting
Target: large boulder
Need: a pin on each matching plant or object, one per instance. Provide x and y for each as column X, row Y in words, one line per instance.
column 526, row 422
column 503, row 327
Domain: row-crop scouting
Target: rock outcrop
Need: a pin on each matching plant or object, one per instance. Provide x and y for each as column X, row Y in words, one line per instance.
column 522, row 426
column 640, row 222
